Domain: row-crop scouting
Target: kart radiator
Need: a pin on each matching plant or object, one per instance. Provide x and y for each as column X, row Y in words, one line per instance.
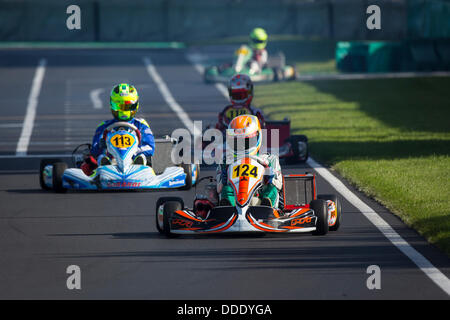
column 298, row 189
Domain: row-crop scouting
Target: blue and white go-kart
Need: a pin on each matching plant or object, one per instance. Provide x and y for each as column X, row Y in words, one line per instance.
column 122, row 140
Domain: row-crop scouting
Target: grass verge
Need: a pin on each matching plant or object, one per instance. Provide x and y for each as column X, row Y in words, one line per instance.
column 389, row 137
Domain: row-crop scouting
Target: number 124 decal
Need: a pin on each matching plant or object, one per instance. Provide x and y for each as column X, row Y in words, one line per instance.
column 245, row 170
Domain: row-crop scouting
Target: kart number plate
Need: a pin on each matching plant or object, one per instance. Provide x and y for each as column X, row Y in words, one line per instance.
column 122, row 140
column 245, row 170
column 233, row 113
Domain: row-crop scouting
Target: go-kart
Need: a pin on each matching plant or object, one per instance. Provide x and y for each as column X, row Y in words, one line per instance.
column 122, row 140
column 275, row 70
column 300, row 209
column 291, row 148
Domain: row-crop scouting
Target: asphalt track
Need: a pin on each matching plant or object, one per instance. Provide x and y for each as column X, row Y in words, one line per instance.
column 112, row 236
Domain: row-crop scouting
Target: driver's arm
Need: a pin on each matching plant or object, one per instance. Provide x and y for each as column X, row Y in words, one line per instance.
column 98, row 147
column 147, row 145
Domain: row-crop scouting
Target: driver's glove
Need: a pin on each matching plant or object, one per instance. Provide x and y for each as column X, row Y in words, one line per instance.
column 89, row 164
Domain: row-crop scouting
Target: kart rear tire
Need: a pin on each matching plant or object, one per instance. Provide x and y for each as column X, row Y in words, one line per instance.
column 278, row 74
column 169, row 208
column 320, row 209
column 338, row 204
column 294, row 140
column 188, row 170
column 162, row 201
column 296, row 74
column 42, row 165
column 57, row 176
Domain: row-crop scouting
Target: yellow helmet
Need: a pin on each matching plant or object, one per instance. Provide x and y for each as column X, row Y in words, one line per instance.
column 244, row 135
column 124, row 101
column 258, row 38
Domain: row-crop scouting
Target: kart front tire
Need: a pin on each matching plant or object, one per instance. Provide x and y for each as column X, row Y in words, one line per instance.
column 57, row 176
column 338, row 205
column 320, row 209
column 162, row 201
column 169, row 208
column 42, row 165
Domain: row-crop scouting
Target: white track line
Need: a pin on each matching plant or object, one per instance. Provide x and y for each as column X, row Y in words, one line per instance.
column 95, row 98
column 28, row 122
column 170, row 100
column 431, row 271
column 195, row 60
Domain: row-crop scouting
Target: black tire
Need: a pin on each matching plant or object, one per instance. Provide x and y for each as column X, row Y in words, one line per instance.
column 169, row 208
column 296, row 74
column 338, row 204
column 188, row 170
column 320, row 209
column 161, row 201
column 294, row 140
column 278, row 74
column 42, row 165
column 57, row 175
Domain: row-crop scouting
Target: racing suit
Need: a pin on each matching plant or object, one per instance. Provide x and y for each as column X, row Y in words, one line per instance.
column 258, row 61
column 233, row 110
column 273, row 181
column 146, row 146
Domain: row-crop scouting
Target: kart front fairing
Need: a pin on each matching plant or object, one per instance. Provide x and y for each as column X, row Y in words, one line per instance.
column 136, row 177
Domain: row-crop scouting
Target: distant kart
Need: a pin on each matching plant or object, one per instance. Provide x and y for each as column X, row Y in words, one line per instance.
column 291, row 148
column 301, row 210
column 275, row 70
column 122, row 140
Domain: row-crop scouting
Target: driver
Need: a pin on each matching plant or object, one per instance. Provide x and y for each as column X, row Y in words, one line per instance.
column 246, row 132
column 124, row 103
column 258, row 42
column 240, row 91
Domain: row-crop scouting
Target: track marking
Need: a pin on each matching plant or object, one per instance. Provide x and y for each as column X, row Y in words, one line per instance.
column 195, row 59
column 28, row 122
column 432, row 272
column 95, row 98
column 422, row 263
column 170, row 100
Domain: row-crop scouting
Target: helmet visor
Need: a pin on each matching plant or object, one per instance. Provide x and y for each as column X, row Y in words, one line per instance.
column 124, row 106
column 243, row 145
column 258, row 41
column 241, row 94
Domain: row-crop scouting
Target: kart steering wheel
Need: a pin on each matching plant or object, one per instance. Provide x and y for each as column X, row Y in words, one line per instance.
column 122, row 124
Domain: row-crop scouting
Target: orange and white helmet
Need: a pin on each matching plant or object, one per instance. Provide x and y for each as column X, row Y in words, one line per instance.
column 244, row 135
